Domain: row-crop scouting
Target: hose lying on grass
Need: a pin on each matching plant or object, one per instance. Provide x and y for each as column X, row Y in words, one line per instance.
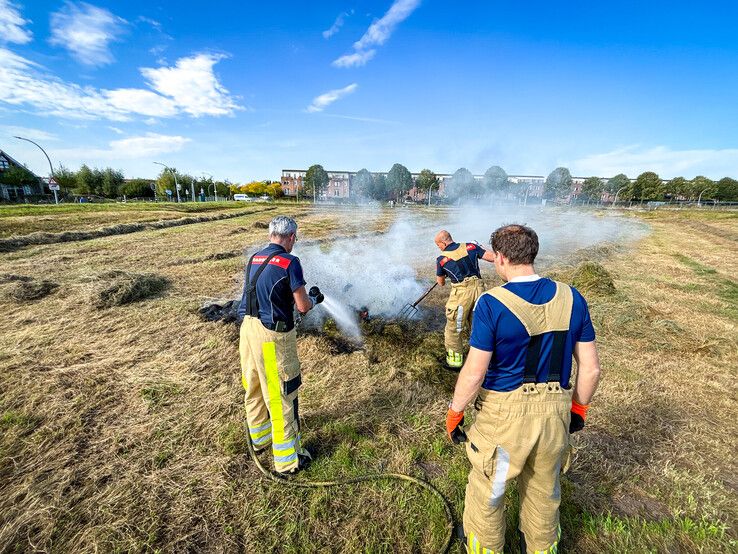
column 361, row 479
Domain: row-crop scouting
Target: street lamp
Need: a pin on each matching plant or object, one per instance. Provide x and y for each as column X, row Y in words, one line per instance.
column 699, row 199
column 51, row 167
column 176, row 184
column 616, row 195
column 215, row 188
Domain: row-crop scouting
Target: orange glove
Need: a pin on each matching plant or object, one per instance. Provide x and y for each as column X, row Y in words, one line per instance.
column 578, row 415
column 454, row 420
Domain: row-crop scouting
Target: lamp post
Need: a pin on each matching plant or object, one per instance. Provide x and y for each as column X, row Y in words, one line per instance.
column 51, row 167
column 215, row 188
column 176, row 184
column 616, row 195
column 699, row 199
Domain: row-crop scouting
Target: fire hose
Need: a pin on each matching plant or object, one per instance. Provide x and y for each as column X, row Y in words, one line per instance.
column 362, row 479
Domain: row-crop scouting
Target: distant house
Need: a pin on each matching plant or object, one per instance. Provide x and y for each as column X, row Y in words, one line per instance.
column 11, row 191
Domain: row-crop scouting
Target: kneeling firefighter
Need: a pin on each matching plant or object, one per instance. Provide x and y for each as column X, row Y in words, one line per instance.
column 270, row 369
column 524, row 334
column 460, row 263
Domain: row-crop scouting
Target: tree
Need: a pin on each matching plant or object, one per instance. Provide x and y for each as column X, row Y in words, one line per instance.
column 614, row 184
column 316, row 180
column 66, row 178
column 650, row 185
column 112, row 180
column 165, row 182
column 380, row 187
column 428, row 181
column 97, row 181
column 223, row 188
column 275, row 190
column 726, row 189
column 84, row 184
column 495, row 180
column 703, row 188
column 363, row 184
column 462, row 184
column 679, row 187
column 558, row 184
column 592, row 189
column 137, row 188
column 399, row 181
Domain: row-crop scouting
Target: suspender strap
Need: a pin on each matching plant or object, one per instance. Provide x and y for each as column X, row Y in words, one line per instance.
column 250, row 285
column 532, row 356
column 556, row 361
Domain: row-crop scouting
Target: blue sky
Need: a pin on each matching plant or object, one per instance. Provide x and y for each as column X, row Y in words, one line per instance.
column 241, row 90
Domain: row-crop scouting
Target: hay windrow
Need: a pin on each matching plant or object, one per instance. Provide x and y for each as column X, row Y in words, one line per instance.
column 21, row 289
column 589, row 278
column 116, row 288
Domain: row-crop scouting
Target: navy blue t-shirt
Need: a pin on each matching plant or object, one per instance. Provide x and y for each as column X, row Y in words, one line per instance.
column 495, row 329
column 275, row 286
column 467, row 266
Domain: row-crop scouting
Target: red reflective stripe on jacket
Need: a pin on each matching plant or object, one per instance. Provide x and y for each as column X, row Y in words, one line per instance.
column 471, row 246
column 276, row 260
column 443, row 261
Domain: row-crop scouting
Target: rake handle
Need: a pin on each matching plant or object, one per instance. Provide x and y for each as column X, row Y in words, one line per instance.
column 426, row 293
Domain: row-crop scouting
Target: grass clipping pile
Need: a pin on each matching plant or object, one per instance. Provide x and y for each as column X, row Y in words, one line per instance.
column 117, row 288
column 21, row 288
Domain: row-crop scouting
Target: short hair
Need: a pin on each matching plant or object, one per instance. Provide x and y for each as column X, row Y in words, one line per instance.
column 282, row 226
column 517, row 243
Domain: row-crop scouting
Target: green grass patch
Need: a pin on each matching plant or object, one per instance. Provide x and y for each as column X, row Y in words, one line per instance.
column 697, row 267
column 161, row 394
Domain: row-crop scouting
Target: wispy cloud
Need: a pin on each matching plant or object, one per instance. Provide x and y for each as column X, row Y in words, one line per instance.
column 12, row 24
column 337, row 24
column 33, row 134
column 356, row 59
column 326, row 99
column 86, row 32
column 144, row 146
column 153, row 22
column 189, row 87
column 634, row 159
column 378, row 33
column 358, row 118
column 117, row 131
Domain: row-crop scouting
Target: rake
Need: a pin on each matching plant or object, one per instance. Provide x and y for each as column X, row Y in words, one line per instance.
column 410, row 310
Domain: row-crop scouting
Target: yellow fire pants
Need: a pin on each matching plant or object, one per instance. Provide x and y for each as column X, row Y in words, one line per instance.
column 270, row 373
column 523, row 435
column 459, row 309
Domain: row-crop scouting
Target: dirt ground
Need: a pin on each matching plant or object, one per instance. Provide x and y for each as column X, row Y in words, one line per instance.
column 123, row 429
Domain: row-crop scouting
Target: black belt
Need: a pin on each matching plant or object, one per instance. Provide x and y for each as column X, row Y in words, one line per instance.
column 279, row 326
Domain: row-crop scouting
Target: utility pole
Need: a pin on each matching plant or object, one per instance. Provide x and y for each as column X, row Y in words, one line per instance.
column 215, row 187
column 51, row 167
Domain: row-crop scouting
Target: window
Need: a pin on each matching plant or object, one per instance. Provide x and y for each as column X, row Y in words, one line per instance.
column 4, row 164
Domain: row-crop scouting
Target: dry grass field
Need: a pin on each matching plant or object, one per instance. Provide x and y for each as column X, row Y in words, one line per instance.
column 122, row 427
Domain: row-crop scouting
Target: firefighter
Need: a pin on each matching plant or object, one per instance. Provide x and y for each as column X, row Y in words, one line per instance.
column 524, row 335
column 459, row 262
column 270, row 369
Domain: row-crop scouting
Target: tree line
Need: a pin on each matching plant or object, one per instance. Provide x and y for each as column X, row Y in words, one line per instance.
column 559, row 185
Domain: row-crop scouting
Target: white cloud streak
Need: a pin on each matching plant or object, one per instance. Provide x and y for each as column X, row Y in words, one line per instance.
column 357, row 59
column 634, row 160
column 337, row 24
column 33, row 134
column 86, row 32
column 378, row 33
column 326, row 99
column 189, row 87
column 12, row 24
column 145, row 146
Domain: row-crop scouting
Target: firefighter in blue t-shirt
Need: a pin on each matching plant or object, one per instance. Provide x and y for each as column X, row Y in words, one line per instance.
column 524, row 335
column 459, row 262
column 270, row 370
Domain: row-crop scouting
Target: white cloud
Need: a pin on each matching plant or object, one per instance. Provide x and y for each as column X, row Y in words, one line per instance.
column 633, row 160
column 145, row 146
column 337, row 24
column 117, row 131
column 378, row 33
column 12, row 24
column 189, row 87
column 33, row 134
column 356, row 59
column 326, row 99
column 193, row 86
column 86, row 31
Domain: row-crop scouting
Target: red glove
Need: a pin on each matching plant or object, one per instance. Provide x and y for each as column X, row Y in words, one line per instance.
column 454, row 420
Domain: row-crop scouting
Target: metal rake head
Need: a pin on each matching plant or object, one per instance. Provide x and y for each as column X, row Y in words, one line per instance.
column 408, row 312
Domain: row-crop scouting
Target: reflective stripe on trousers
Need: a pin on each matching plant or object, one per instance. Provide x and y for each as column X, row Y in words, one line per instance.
column 283, row 450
